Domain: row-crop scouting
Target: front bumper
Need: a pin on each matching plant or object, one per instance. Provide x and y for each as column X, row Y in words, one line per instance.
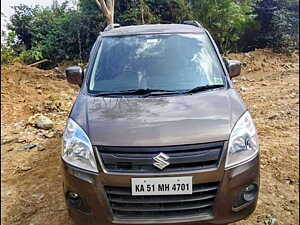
column 94, row 206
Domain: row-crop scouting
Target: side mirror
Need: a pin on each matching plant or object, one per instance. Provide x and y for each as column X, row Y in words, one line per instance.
column 74, row 75
column 233, row 67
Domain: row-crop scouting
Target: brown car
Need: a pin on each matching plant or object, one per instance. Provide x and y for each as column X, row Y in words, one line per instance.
column 158, row 134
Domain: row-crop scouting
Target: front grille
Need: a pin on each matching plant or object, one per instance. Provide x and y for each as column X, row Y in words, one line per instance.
column 198, row 204
column 140, row 159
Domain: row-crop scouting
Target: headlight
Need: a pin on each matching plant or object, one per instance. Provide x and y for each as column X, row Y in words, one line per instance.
column 243, row 142
column 77, row 148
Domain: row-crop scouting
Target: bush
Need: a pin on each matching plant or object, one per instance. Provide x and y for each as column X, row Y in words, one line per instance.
column 8, row 47
column 7, row 54
column 227, row 20
column 30, row 56
column 279, row 25
column 285, row 31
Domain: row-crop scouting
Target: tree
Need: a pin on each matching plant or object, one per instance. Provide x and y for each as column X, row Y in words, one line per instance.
column 171, row 11
column 134, row 12
column 108, row 9
column 227, row 20
column 279, row 24
column 21, row 23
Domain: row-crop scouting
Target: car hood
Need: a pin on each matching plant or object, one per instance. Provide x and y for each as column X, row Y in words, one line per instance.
column 159, row 121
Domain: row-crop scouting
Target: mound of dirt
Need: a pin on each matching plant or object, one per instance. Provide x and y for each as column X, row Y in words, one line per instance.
column 265, row 61
column 26, row 90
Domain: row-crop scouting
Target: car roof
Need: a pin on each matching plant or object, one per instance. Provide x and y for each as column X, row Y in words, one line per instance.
column 153, row 29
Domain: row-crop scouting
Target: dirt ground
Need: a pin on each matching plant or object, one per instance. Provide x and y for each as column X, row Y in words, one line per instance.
column 31, row 179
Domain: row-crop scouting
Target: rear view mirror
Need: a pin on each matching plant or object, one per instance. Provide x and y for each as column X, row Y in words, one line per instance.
column 233, row 67
column 74, row 75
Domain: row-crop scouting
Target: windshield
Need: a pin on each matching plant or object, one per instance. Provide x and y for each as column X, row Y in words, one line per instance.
column 162, row 62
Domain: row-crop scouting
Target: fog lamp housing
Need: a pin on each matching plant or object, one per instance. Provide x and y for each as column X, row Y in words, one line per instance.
column 245, row 197
column 74, row 199
column 250, row 192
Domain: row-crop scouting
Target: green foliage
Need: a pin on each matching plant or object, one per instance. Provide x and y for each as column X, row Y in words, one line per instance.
column 57, row 34
column 89, row 23
column 21, row 24
column 8, row 45
column 63, row 33
column 227, row 20
column 30, row 56
column 7, row 54
column 171, row 11
column 134, row 12
column 279, row 25
column 285, row 30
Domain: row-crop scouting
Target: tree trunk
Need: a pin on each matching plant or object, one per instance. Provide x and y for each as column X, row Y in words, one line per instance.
column 110, row 19
column 107, row 7
column 142, row 11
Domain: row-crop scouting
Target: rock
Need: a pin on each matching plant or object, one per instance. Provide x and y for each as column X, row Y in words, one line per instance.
column 38, row 196
column 19, row 124
column 10, row 149
column 44, row 123
column 49, row 135
column 21, row 140
column 41, row 148
column 8, row 192
column 26, row 147
column 25, row 168
column 243, row 78
column 29, row 146
column 272, row 117
column 243, row 89
column 289, row 181
column 293, row 95
column 8, row 140
column 248, row 54
column 271, row 221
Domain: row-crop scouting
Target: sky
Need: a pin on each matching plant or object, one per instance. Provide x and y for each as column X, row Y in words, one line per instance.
column 6, row 4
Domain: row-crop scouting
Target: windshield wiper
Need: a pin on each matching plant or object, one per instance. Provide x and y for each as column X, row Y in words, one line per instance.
column 143, row 92
column 151, row 92
column 203, row 88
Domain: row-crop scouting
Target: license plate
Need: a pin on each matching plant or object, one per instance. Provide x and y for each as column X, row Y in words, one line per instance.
column 162, row 186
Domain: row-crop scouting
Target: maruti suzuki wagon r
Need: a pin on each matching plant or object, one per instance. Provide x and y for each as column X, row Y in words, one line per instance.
column 158, row 134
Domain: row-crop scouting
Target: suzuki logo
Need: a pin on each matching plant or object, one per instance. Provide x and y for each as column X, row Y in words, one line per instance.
column 161, row 161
